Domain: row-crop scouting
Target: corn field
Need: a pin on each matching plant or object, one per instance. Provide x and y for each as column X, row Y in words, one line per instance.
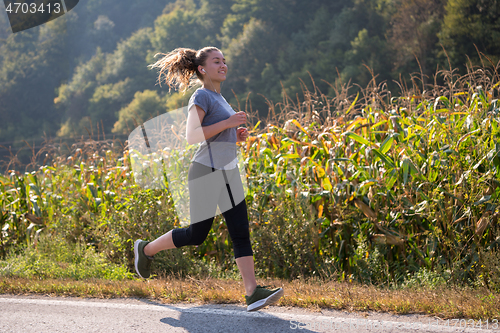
column 365, row 187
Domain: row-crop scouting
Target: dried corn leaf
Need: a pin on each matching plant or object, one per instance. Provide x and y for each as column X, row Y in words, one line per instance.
column 379, row 238
column 34, row 219
column 365, row 209
column 393, row 240
column 482, row 223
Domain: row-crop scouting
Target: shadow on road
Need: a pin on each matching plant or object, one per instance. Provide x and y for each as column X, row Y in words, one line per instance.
column 234, row 320
column 224, row 318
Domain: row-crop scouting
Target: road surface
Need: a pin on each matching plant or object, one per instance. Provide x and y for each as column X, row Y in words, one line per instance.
column 71, row 314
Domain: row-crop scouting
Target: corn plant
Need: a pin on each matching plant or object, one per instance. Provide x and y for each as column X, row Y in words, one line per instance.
column 362, row 186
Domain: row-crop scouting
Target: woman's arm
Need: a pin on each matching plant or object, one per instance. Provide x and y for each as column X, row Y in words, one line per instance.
column 195, row 132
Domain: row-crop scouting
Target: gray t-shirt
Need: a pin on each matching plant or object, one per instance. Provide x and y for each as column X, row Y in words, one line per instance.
column 218, row 151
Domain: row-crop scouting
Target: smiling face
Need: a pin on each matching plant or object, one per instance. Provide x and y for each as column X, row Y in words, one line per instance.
column 215, row 67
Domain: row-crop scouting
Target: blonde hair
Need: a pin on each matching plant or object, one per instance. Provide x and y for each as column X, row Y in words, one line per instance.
column 180, row 65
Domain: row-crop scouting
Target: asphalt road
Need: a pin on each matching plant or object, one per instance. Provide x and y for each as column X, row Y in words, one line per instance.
column 69, row 314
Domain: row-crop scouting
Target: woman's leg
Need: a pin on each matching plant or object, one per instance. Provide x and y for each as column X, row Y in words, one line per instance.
column 256, row 297
column 247, row 271
column 236, row 218
column 238, row 227
column 163, row 242
column 203, row 205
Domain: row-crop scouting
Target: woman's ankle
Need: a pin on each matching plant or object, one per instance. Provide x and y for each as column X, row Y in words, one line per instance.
column 145, row 250
column 249, row 290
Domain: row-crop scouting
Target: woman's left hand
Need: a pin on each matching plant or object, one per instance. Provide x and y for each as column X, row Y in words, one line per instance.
column 241, row 134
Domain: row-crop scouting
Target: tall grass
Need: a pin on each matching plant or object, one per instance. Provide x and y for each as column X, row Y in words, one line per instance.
column 368, row 187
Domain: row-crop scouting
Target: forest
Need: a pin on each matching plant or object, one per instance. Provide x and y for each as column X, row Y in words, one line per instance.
column 86, row 72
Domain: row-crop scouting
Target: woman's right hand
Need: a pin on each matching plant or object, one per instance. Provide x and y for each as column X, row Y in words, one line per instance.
column 236, row 119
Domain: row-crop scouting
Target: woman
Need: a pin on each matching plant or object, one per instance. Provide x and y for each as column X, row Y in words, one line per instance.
column 212, row 122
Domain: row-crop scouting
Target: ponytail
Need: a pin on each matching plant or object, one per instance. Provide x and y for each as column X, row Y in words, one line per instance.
column 180, row 65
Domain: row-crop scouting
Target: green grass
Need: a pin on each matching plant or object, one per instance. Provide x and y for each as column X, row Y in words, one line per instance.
column 57, row 259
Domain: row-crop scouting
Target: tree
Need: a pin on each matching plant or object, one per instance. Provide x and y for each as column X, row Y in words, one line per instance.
column 145, row 105
column 469, row 24
column 73, row 98
column 211, row 16
column 248, row 56
column 179, row 28
column 33, row 63
column 107, row 100
column 103, row 33
column 413, row 34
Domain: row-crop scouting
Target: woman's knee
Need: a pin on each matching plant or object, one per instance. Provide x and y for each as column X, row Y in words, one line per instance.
column 198, row 239
column 242, row 248
column 195, row 234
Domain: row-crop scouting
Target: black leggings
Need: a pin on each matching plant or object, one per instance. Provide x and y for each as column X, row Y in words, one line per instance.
column 223, row 188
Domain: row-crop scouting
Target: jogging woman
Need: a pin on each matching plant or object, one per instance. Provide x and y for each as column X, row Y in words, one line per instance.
column 213, row 176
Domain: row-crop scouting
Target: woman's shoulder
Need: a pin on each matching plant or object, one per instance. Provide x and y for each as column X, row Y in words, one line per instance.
column 200, row 94
column 201, row 98
column 196, row 93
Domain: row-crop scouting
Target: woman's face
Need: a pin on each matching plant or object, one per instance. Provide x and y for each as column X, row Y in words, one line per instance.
column 215, row 66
